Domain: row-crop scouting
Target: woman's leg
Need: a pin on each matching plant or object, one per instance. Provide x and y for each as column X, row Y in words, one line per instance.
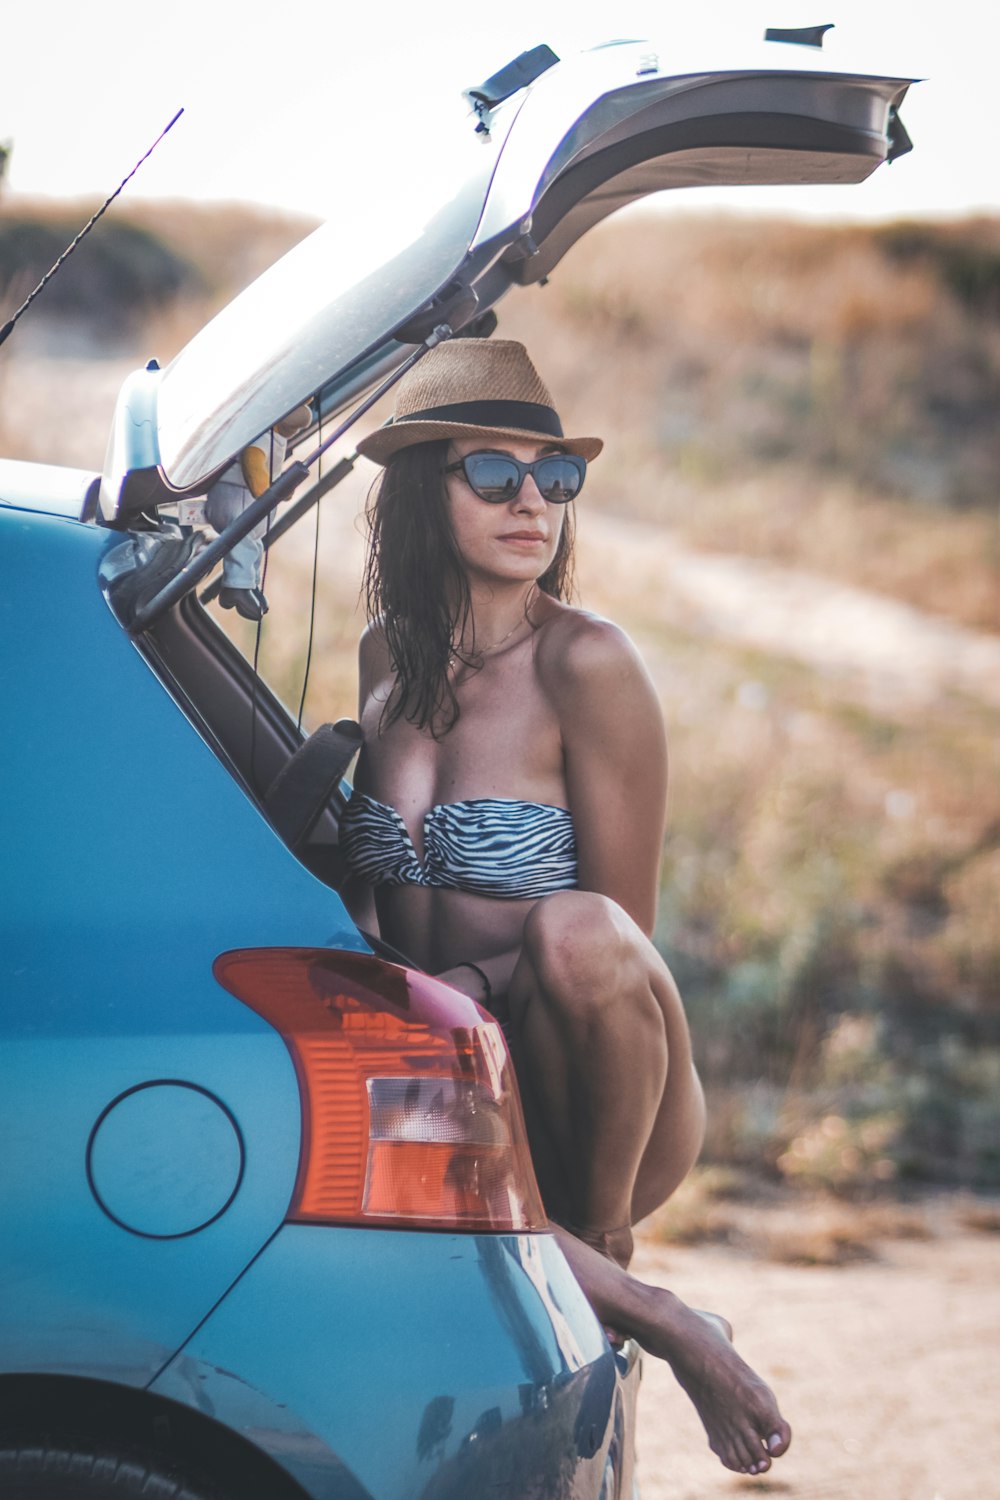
column 614, row 1107
column 737, row 1409
column 616, row 1117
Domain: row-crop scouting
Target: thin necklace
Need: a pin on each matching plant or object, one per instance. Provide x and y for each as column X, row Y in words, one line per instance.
column 495, row 645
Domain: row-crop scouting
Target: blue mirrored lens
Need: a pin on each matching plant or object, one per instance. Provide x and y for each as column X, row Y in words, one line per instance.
column 559, row 478
column 496, row 478
column 492, row 476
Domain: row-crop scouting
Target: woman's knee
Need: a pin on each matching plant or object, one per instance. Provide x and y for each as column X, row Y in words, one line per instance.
column 582, row 941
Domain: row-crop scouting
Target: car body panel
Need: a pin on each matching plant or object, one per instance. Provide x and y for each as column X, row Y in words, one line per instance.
column 109, row 932
column 503, row 1331
column 52, row 489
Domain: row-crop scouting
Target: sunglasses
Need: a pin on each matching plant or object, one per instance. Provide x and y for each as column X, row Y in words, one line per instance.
column 495, row 477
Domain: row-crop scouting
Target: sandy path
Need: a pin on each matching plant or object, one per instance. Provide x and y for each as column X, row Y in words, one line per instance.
column 888, row 1372
column 903, row 657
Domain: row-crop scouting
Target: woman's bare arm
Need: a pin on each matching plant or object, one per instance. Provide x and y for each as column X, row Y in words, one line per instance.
column 615, row 761
column 497, row 968
column 373, row 662
column 356, row 894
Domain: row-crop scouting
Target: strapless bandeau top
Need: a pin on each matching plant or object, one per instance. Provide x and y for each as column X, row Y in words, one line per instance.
column 489, row 846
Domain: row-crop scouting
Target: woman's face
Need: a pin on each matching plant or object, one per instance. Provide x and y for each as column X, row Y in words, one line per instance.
column 513, row 541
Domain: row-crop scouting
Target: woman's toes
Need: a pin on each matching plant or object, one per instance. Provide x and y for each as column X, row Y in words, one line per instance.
column 779, row 1440
column 742, row 1454
column 730, row 1453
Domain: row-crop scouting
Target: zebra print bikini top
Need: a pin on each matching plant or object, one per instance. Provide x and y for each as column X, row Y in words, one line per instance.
column 489, row 846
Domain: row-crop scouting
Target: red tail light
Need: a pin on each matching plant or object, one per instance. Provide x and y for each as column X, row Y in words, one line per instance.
column 410, row 1111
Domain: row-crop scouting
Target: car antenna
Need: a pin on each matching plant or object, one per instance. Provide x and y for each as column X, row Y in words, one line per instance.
column 8, row 327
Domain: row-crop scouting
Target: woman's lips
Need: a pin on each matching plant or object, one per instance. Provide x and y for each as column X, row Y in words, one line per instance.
column 523, row 538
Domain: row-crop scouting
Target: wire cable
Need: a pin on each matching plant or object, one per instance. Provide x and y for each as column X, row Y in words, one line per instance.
column 258, row 637
column 312, row 600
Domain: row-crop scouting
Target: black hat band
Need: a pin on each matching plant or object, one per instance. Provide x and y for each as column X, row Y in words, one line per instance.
column 521, row 415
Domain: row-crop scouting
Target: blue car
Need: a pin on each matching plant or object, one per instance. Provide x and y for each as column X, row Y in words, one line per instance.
column 268, row 1222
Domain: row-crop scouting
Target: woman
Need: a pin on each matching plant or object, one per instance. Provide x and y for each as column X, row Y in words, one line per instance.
column 508, row 813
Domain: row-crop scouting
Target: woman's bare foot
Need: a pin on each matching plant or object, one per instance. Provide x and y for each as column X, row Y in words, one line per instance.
column 737, row 1409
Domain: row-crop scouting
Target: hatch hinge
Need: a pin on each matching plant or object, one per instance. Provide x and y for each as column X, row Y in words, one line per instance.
column 484, row 97
column 799, row 36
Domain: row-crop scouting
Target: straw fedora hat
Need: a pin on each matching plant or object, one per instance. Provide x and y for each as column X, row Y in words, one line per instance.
column 473, row 388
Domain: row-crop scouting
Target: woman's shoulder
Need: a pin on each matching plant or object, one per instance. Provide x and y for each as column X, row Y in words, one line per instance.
column 575, row 645
column 374, row 665
column 373, row 646
column 592, row 674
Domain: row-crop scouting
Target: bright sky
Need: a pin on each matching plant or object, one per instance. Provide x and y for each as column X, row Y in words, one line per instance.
column 295, row 108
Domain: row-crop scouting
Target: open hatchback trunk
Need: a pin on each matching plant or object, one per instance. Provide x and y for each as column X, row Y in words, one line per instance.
column 547, row 149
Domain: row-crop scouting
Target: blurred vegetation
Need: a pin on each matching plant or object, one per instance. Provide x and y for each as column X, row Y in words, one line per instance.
column 111, row 283
column 872, row 353
column 137, row 263
column 830, row 903
column 829, row 907
column 826, row 399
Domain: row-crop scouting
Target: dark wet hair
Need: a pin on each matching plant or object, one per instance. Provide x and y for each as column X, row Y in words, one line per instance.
column 415, row 588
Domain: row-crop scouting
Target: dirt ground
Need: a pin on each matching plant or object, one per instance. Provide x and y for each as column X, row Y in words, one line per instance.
column 888, row 1371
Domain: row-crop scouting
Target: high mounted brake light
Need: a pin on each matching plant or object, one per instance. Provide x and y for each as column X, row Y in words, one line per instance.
column 410, row 1111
